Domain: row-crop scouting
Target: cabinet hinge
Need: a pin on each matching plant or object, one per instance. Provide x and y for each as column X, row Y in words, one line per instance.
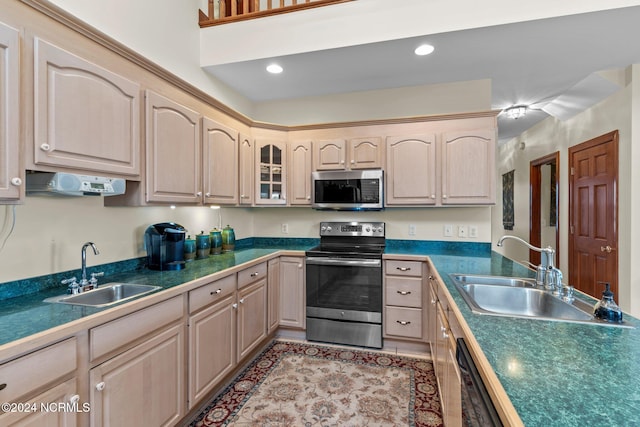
column 573, row 171
column 571, row 229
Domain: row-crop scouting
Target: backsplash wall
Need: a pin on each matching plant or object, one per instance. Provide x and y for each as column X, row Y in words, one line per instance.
column 49, row 232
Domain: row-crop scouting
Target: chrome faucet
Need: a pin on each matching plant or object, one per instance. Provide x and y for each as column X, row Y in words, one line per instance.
column 547, row 275
column 83, row 281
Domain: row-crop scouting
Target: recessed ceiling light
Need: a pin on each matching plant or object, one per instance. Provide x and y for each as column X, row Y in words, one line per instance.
column 274, row 68
column 424, row 49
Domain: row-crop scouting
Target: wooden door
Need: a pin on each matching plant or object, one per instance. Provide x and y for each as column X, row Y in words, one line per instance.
column 10, row 173
column 212, row 347
column 292, row 292
column 142, row 386
column 593, row 214
column 85, row 116
column 365, row 153
column 220, row 163
column 411, row 170
column 300, row 173
column 246, row 166
column 468, row 167
column 330, row 154
column 173, row 151
column 544, row 208
column 252, row 317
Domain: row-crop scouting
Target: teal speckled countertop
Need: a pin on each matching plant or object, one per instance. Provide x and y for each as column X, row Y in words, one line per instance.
column 555, row 373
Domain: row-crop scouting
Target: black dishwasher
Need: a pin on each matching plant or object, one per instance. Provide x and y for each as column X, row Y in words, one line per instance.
column 477, row 407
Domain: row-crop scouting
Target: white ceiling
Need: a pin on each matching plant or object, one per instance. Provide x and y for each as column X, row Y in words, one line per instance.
column 548, row 64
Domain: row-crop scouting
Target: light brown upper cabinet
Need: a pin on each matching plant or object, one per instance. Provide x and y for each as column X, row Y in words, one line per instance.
column 411, row 170
column 220, row 167
column 300, row 173
column 85, row 117
column 173, row 151
column 355, row 153
column 271, row 172
column 11, row 177
column 246, row 170
column 450, row 168
column 468, row 167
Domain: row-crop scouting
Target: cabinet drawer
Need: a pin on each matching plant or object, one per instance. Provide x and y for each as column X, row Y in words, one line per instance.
column 403, row 322
column 251, row 274
column 28, row 373
column 403, row 268
column 120, row 332
column 211, row 293
column 403, row 291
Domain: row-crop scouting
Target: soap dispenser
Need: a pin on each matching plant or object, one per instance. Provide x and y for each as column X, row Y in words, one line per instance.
column 606, row 308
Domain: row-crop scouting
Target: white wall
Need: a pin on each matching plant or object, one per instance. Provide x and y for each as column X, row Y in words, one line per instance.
column 550, row 135
column 49, row 232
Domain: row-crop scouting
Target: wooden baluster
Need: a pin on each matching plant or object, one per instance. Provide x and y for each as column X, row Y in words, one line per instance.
column 281, row 3
column 269, row 5
column 256, row 6
column 234, row 8
column 222, row 11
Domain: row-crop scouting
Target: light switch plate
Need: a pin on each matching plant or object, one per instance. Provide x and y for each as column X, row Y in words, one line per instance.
column 412, row 229
column 473, row 231
column 462, row 231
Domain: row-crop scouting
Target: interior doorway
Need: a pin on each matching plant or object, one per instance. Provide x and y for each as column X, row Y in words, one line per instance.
column 544, row 205
column 593, row 214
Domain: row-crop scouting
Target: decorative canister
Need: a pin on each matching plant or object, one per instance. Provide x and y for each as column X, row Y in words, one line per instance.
column 189, row 249
column 216, row 241
column 228, row 239
column 203, row 245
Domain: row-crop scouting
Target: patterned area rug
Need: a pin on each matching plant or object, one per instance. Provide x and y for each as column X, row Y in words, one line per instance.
column 296, row 384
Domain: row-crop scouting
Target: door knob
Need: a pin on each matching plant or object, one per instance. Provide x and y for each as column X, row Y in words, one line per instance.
column 606, row 249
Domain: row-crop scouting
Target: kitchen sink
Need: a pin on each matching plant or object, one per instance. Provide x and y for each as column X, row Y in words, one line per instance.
column 519, row 297
column 105, row 295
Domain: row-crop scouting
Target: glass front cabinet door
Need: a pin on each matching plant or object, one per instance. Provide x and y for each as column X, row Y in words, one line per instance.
column 271, row 185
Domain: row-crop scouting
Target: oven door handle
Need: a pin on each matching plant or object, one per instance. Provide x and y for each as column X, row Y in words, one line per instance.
column 347, row 262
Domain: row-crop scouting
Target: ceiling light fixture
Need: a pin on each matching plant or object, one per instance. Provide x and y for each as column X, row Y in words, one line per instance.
column 274, row 68
column 516, row 111
column 424, row 49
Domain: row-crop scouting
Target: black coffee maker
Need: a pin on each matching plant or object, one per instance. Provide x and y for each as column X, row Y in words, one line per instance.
column 165, row 246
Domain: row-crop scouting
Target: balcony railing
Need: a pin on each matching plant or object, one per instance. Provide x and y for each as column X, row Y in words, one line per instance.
column 225, row 11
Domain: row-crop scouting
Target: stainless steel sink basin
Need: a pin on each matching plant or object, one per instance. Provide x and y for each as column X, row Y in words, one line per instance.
column 518, row 297
column 105, row 295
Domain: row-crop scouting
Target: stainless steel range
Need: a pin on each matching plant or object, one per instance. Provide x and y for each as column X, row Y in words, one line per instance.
column 344, row 284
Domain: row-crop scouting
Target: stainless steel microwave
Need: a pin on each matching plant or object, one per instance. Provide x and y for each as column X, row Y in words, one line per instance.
column 348, row 190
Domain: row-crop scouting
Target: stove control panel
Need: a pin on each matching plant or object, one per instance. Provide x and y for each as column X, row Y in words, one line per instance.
column 372, row 229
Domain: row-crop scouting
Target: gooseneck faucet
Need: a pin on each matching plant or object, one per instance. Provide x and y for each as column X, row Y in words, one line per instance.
column 84, row 281
column 547, row 274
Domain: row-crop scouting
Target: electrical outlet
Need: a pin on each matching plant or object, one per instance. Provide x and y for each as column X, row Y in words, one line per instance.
column 412, row 229
column 285, row 228
column 462, row 231
column 473, row 231
column 448, row 230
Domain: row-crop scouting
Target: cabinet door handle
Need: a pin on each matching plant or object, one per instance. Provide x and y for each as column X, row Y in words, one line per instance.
column 3, row 386
column 353, row 162
column 299, row 265
column 217, row 291
column 433, row 196
column 208, row 194
column 199, row 193
column 100, row 386
column 234, row 305
column 404, row 292
column 444, row 196
column 75, row 398
column 403, row 322
column 241, row 301
column 254, row 274
column 45, row 147
column 17, row 181
column 403, row 268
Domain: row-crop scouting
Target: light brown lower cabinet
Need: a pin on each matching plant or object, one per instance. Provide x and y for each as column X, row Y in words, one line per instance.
column 142, row 386
column 292, row 292
column 273, row 295
column 443, row 353
column 212, row 344
column 252, row 317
